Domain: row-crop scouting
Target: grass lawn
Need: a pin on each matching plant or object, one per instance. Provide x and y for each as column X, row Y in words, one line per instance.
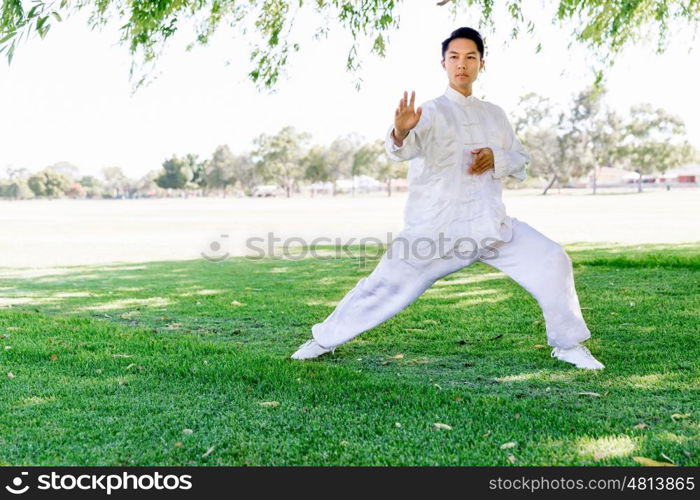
column 186, row 363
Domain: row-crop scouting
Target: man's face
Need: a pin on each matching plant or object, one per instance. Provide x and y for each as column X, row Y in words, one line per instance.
column 462, row 63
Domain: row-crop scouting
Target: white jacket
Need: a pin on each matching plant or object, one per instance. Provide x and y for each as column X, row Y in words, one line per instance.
column 445, row 202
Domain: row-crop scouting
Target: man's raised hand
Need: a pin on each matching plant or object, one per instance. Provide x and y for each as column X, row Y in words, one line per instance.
column 405, row 117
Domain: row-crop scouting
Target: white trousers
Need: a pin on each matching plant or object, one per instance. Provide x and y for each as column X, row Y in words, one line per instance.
column 538, row 264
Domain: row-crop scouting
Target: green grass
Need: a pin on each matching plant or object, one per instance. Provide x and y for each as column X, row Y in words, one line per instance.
column 111, row 363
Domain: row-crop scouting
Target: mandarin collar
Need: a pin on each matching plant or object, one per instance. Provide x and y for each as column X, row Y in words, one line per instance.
column 458, row 98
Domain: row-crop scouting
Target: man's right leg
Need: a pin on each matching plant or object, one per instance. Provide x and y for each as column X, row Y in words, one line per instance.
column 394, row 284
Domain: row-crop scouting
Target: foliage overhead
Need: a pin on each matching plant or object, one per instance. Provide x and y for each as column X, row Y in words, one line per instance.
column 146, row 25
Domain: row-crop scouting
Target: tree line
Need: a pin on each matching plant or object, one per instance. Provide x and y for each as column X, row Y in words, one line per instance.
column 283, row 159
column 565, row 142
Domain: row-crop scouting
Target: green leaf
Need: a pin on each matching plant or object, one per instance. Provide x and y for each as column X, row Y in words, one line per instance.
column 57, row 16
column 32, row 11
column 7, row 37
column 43, row 33
column 40, row 23
column 10, row 53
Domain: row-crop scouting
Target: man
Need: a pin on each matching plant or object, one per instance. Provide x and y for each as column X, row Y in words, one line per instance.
column 459, row 148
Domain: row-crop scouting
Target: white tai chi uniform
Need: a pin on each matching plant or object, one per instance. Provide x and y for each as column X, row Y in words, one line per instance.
column 453, row 219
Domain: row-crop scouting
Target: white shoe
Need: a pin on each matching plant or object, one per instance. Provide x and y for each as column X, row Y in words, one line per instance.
column 310, row 350
column 578, row 355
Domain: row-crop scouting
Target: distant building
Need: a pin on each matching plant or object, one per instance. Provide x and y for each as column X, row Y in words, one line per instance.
column 685, row 175
column 633, row 178
column 267, row 191
column 611, row 177
column 607, row 176
column 400, row 184
column 361, row 183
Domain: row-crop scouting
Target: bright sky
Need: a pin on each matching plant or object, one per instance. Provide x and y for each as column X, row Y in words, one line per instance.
column 68, row 98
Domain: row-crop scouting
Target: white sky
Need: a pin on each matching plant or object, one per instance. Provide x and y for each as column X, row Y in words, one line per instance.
column 67, row 98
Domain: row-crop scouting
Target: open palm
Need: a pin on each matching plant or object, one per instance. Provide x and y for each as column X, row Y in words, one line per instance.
column 405, row 117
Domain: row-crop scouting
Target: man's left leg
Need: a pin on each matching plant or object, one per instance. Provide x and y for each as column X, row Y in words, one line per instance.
column 396, row 282
column 543, row 268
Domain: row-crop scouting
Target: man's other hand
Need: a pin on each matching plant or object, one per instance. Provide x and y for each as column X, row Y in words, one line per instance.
column 482, row 160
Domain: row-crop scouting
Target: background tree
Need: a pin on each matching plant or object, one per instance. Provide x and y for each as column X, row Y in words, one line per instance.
column 146, row 185
column 278, row 157
column 556, row 151
column 71, row 172
column 220, row 169
column 364, row 161
column 146, row 27
column 585, row 109
column 66, row 168
column 76, row 190
column 340, row 157
column 534, row 125
column 49, row 183
column 196, row 171
column 176, row 173
column 385, row 169
column 245, row 171
column 116, row 182
column 15, row 186
column 16, row 173
column 92, row 185
column 17, row 189
column 653, row 142
column 606, row 133
column 315, row 164
column 596, row 131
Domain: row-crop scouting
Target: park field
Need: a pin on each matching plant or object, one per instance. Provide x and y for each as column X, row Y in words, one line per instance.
column 53, row 233
column 187, row 363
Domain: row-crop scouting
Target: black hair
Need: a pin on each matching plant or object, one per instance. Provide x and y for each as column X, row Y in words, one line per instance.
column 468, row 33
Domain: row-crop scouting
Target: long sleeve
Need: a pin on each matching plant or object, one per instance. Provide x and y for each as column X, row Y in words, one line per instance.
column 415, row 142
column 512, row 159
